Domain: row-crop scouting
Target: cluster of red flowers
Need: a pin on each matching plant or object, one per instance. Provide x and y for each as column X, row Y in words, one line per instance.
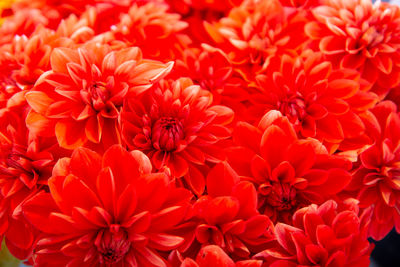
column 200, row 133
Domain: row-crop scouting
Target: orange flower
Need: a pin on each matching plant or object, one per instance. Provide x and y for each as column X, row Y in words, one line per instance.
column 359, row 35
column 177, row 126
column 376, row 179
column 106, row 210
column 79, row 100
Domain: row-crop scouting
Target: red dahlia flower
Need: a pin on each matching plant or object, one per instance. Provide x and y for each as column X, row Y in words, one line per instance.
column 25, row 165
column 227, row 217
column 359, row 35
column 212, row 70
column 212, row 255
column 300, row 3
column 289, row 173
column 325, row 235
column 196, row 12
column 254, row 31
column 57, row 10
column 26, row 58
column 23, row 22
column 376, row 179
column 79, row 100
column 157, row 32
column 321, row 102
column 176, row 126
column 102, row 211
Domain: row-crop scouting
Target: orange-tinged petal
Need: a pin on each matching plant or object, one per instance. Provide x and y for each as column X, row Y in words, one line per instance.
column 60, row 57
column 69, row 134
column 39, row 101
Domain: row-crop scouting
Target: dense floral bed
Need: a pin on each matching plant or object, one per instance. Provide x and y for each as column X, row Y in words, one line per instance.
column 198, row 132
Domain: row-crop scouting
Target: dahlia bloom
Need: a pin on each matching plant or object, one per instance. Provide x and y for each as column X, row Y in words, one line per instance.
column 325, row 235
column 254, row 31
column 158, row 33
column 321, row 102
column 289, row 173
column 300, row 3
column 101, row 210
column 212, row 255
column 23, row 22
column 227, row 217
column 359, row 35
column 210, row 68
column 80, row 98
column 55, row 10
column 177, row 127
column 376, row 179
column 25, row 165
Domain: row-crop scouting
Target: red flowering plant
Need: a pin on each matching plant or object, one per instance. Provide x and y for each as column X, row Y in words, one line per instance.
column 198, row 133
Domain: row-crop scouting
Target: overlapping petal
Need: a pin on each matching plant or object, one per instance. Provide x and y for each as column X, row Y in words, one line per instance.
column 109, row 216
column 177, row 126
column 83, row 93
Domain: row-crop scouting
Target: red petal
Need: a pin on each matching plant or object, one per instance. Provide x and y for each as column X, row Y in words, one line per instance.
column 213, row 255
column 247, row 196
column 301, row 156
column 37, row 210
column 178, row 165
column 224, row 114
column 283, row 236
column 164, row 242
column 60, row 57
column 39, row 101
column 126, row 204
column 106, row 189
column 149, row 186
column 222, row 210
column 195, row 180
column 332, row 45
column 221, row 179
column 84, row 164
column 274, row 144
column 70, row 134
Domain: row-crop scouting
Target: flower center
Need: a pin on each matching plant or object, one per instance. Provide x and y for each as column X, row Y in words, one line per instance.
column 166, row 133
column 99, row 95
column 282, row 196
column 294, row 108
column 112, row 244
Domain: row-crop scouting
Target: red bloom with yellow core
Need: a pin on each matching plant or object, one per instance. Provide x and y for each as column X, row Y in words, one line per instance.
column 359, row 35
column 327, row 235
column 289, row 173
column 80, row 98
column 177, row 127
column 102, row 211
